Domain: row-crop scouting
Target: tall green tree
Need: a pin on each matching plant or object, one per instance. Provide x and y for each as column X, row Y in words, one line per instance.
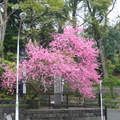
column 96, row 12
column 5, row 14
column 74, row 6
column 110, row 43
column 11, row 35
column 43, row 18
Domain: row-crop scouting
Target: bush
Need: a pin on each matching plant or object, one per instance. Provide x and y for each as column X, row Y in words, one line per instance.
column 117, row 68
column 112, row 106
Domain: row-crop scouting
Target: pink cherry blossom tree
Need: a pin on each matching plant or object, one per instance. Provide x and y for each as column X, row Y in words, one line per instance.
column 41, row 64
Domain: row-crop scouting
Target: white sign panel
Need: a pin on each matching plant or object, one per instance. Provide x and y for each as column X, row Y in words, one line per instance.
column 24, row 87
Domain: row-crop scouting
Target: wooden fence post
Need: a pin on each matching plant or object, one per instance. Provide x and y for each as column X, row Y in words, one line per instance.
column 67, row 100
column 99, row 100
column 49, row 101
column 84, row 102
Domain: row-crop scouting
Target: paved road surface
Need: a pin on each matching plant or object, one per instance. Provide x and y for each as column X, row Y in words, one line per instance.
column 113, row 114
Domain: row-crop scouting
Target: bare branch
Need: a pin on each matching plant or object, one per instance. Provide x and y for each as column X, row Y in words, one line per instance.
column 101, row 19
column 82, row 23
column 79, row 16
column 88, row 6
column 112, row 6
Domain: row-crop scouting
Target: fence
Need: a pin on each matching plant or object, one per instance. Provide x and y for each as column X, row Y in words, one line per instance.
column 68, row 100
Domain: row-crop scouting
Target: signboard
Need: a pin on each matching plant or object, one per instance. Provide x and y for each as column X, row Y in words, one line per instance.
column 24, row 87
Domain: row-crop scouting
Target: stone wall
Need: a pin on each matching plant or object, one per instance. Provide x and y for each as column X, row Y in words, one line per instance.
column 54, row 114
column 116, row 89
column 64, row 114
column 7, row 109
column 7, row 112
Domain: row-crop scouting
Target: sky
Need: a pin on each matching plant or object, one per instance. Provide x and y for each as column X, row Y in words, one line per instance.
column 116, row 11
column 112, row 16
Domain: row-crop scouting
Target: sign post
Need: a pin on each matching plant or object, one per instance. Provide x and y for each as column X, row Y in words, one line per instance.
column 23, row 82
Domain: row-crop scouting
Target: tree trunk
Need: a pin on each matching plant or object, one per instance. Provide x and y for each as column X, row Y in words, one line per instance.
column 102, row 59
column 2, row 28
column 98, row 40
column 74, row 6
column 3, row 24
column 3, row 21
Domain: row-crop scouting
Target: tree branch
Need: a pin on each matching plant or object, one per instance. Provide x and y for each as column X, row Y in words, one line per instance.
column 88, row 6
column 82, row 23
column 32, row 86
column 79, row 16
column 1, row 6
column 15, row 10
column 101, row 19
column 45, row 40
column 11, row 13
column 112, row 6
column 41, row 15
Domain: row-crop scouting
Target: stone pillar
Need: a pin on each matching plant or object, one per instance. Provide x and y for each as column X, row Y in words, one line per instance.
column 57, row 90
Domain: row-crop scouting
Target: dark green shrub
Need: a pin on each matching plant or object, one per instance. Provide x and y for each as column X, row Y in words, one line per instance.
column 112, row 106
column 117, row 68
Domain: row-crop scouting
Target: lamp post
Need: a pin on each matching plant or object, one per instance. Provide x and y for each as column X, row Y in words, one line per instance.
column 22, row 17
column 101, row 99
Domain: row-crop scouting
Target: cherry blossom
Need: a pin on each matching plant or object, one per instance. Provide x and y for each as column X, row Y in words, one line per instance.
column 41, row 64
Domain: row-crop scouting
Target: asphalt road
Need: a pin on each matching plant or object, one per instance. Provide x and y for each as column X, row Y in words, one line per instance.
column 113, row 114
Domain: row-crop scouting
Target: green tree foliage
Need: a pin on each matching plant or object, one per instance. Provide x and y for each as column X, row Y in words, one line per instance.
column 43, row 18
column 96, row 12
column 73, row 4
column 11, row 36
column 110, row 43
column 117, row 65
column 5, row 15
column 110, row 67
column 111, row 46
column 111, row 80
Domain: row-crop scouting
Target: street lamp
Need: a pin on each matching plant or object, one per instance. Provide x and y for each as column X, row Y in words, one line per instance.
column 101, row 99
column 22, row 17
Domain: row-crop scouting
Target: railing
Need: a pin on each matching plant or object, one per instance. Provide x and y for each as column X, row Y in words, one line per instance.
column 69, row 100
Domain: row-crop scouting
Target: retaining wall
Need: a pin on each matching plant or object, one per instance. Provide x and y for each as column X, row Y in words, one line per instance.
column 64, row 114
column 7, row 112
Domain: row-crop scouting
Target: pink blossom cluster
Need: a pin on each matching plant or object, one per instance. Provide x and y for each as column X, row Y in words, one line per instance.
column 41, row 64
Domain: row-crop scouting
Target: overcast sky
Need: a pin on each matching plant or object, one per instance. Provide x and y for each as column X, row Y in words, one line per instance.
column 112, row 16
column 115, row 13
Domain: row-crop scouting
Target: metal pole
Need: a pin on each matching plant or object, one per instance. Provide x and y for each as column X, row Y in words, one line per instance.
column 105, row 112
column 101, row 99
column 22, row 17
column 17, row 103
